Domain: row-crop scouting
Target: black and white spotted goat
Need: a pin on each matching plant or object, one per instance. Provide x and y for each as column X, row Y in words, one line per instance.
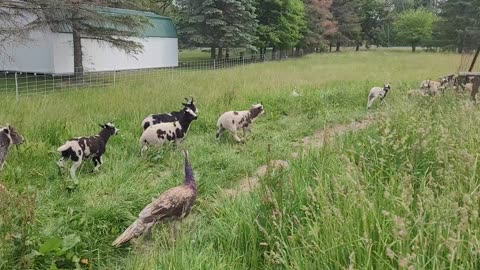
column 81, row 148
column 8, row 137
column 378, row 92
column 154, row 119
column 235, row 120
column 161, row 133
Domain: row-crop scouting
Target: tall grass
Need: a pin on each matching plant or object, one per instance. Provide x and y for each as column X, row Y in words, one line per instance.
column 400, row 194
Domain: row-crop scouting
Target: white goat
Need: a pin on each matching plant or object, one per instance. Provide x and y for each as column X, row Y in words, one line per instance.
column 429, row 87
column 234, row 120
column 161, row 133
column 82, row 148
column 378, row 92
column 8, row 137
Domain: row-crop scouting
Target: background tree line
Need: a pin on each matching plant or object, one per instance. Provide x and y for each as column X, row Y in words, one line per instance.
column 255, row 25
column 320, row 25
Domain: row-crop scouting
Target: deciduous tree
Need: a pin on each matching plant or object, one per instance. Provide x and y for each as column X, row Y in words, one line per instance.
column 281, row 23
column 415, row 27
column 372, row 16
column 320, row 25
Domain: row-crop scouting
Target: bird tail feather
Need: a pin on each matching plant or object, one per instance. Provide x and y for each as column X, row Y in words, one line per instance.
column 133, row 231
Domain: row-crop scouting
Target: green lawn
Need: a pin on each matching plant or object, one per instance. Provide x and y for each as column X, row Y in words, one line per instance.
column 402, row 193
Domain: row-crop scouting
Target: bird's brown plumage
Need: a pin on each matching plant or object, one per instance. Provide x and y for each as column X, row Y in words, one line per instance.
column 174, row 203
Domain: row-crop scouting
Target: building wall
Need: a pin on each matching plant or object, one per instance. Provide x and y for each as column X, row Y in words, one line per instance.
column 48, row 52
column 32, row 55
column 100, row 56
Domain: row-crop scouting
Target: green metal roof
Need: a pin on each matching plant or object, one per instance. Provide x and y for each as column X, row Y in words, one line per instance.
column 161, row 26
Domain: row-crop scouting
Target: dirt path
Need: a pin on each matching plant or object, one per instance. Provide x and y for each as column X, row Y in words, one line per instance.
column 318, row 139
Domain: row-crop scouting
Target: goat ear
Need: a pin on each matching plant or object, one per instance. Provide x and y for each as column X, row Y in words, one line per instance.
column 191, row 99
column 102, row 126
column 187, row 100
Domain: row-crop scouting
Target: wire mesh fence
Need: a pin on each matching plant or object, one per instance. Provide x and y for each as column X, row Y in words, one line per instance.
column 28, row 84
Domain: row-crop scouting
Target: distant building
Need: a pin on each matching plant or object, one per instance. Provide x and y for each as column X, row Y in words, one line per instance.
column 50, row 50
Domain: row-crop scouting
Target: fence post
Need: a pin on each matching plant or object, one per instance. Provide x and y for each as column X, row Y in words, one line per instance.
column 16, row 87
column 114, row 76
column 243, row 60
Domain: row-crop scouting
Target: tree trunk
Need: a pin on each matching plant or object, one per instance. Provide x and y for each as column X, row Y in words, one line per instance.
column 461, row 44
column 297, row 51
column 227, row 53
column 331, row 47
column 414, row 48
column 220, row 53
column 212, row 53
column 77, row 55
column 274, row 50
column 338, row 47
column 357, row 48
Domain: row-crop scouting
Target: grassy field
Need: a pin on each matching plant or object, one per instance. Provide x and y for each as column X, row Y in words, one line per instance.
column 403, row 193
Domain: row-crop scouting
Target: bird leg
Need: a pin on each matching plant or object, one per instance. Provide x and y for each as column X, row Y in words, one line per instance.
column 148, row 232
column 174, row 230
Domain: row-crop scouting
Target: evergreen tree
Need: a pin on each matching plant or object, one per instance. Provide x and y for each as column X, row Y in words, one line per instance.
column 401, row 5
column 217, row 23
column 345, row 13
column 18, row 19
column 456, row 17
column 85, row 18
column 431, row 5
column 161, row 7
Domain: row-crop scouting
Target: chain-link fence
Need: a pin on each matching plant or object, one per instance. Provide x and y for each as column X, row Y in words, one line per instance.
column 27, row 84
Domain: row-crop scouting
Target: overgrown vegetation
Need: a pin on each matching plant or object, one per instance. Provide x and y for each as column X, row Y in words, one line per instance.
column 403, row 193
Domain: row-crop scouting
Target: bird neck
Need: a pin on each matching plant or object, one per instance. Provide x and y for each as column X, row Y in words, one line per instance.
column 189, row 176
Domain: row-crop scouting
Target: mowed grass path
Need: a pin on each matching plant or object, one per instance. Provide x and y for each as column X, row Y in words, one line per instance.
column 325, row 212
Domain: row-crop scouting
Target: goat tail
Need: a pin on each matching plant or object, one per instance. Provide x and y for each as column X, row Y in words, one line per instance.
column 63, row 147
column 133, row 231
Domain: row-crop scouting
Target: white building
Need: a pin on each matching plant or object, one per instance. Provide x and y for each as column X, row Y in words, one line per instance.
column 50, row 50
